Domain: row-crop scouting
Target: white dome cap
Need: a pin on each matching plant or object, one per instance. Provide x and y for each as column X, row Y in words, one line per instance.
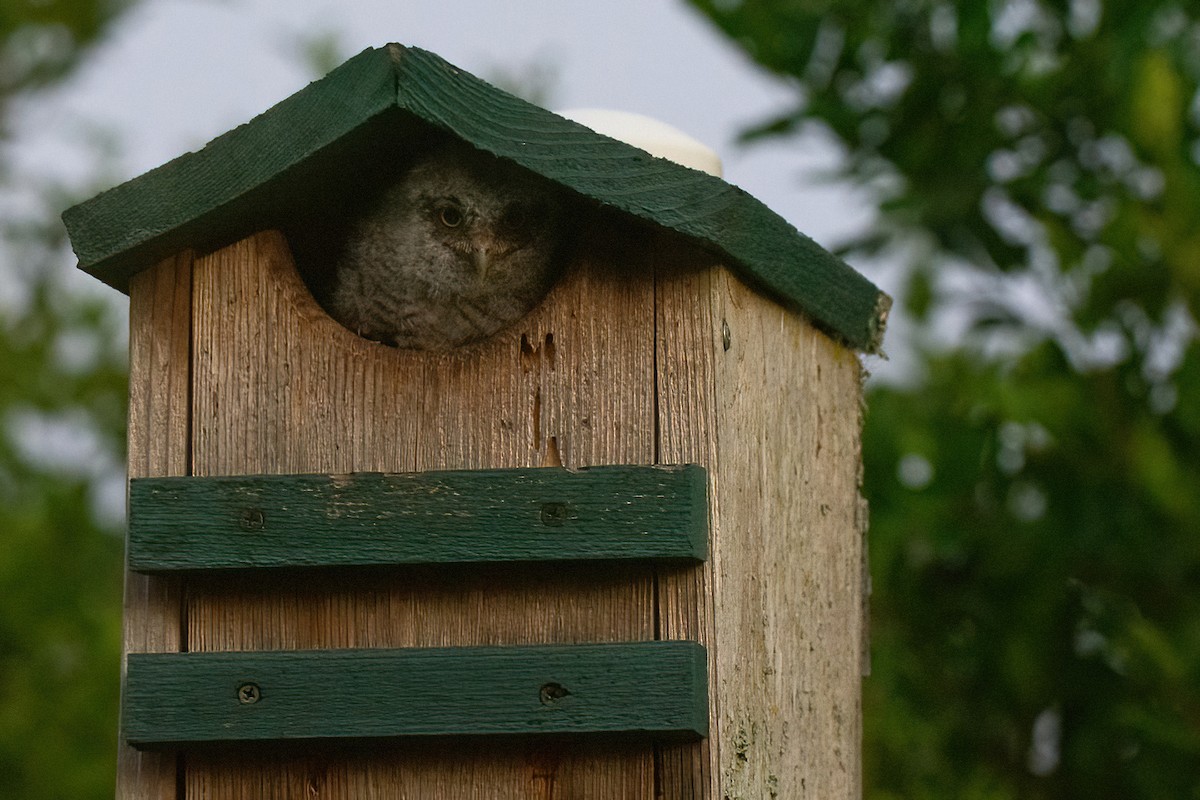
column 655, row 137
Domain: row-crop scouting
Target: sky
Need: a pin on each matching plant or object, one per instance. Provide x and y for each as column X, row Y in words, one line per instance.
column 177, row 73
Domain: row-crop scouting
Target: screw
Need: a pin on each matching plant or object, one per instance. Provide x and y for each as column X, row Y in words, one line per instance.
column 726, row 336
column 248, row 694
column 551, row 693
column 251, row 519
column 554, row 514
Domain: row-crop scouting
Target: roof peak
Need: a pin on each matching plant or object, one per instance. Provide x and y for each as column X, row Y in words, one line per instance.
column 251, row 176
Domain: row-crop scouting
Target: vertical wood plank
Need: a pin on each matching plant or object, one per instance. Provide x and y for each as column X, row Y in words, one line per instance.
column 159, row 409
column 787, row 566
column 280, row 387
column 687, row 433
column 774, row 411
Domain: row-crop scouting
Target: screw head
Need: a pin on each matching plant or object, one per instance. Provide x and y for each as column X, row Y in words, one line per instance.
column 249, row 693
column 554, row 514
column 251, row 519
column 551, row 693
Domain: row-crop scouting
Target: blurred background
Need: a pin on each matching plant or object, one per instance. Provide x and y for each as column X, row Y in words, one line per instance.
column 1021, row 175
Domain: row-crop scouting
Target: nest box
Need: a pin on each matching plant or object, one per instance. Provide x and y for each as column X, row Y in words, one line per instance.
column 615, row 550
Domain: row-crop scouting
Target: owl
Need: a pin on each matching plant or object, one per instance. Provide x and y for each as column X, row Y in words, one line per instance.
column 461, row 245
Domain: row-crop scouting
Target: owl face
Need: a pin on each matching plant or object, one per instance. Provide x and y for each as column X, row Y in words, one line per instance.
column 462, row 245
column 481, row 237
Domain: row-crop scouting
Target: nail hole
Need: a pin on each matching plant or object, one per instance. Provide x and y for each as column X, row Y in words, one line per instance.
column 554, row 515
column 528, row 353
column 251, row 519
column 550, row 349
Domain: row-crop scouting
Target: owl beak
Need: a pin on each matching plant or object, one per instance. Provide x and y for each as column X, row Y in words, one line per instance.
column 481, row 258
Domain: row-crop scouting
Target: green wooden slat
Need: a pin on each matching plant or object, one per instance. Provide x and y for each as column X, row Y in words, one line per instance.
column 268, row 521
column 653, row 688
column 259, row 174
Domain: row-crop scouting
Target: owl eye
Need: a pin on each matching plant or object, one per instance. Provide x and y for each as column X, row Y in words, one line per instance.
column 450, row 216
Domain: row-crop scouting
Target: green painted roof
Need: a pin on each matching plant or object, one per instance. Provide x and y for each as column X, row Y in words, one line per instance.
column 256, row 174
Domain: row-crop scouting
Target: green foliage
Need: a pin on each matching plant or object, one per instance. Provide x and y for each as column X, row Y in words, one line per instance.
column 60, row 577
column 41, row 40
column 1036, row 620
column 1040, row 563
column 62, row 412
column 62, row 418
column 1008, row 131
column 59, row 645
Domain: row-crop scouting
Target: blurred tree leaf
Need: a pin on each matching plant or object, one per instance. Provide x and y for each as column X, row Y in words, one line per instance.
column 42, row 40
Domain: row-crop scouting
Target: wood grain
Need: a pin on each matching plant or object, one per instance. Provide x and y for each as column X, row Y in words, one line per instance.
column 647, row 352
column 772, row 405
column 687, row 344
column 787, row 545
column 159, row 410
column 281, row 388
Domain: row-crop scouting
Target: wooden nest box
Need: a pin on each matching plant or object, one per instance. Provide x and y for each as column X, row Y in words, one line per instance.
column 613, row 551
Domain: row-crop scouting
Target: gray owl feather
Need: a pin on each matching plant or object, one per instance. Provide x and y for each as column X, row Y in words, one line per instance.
column 462, row 245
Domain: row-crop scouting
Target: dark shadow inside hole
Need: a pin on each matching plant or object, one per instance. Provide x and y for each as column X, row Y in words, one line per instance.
column 485, row 261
